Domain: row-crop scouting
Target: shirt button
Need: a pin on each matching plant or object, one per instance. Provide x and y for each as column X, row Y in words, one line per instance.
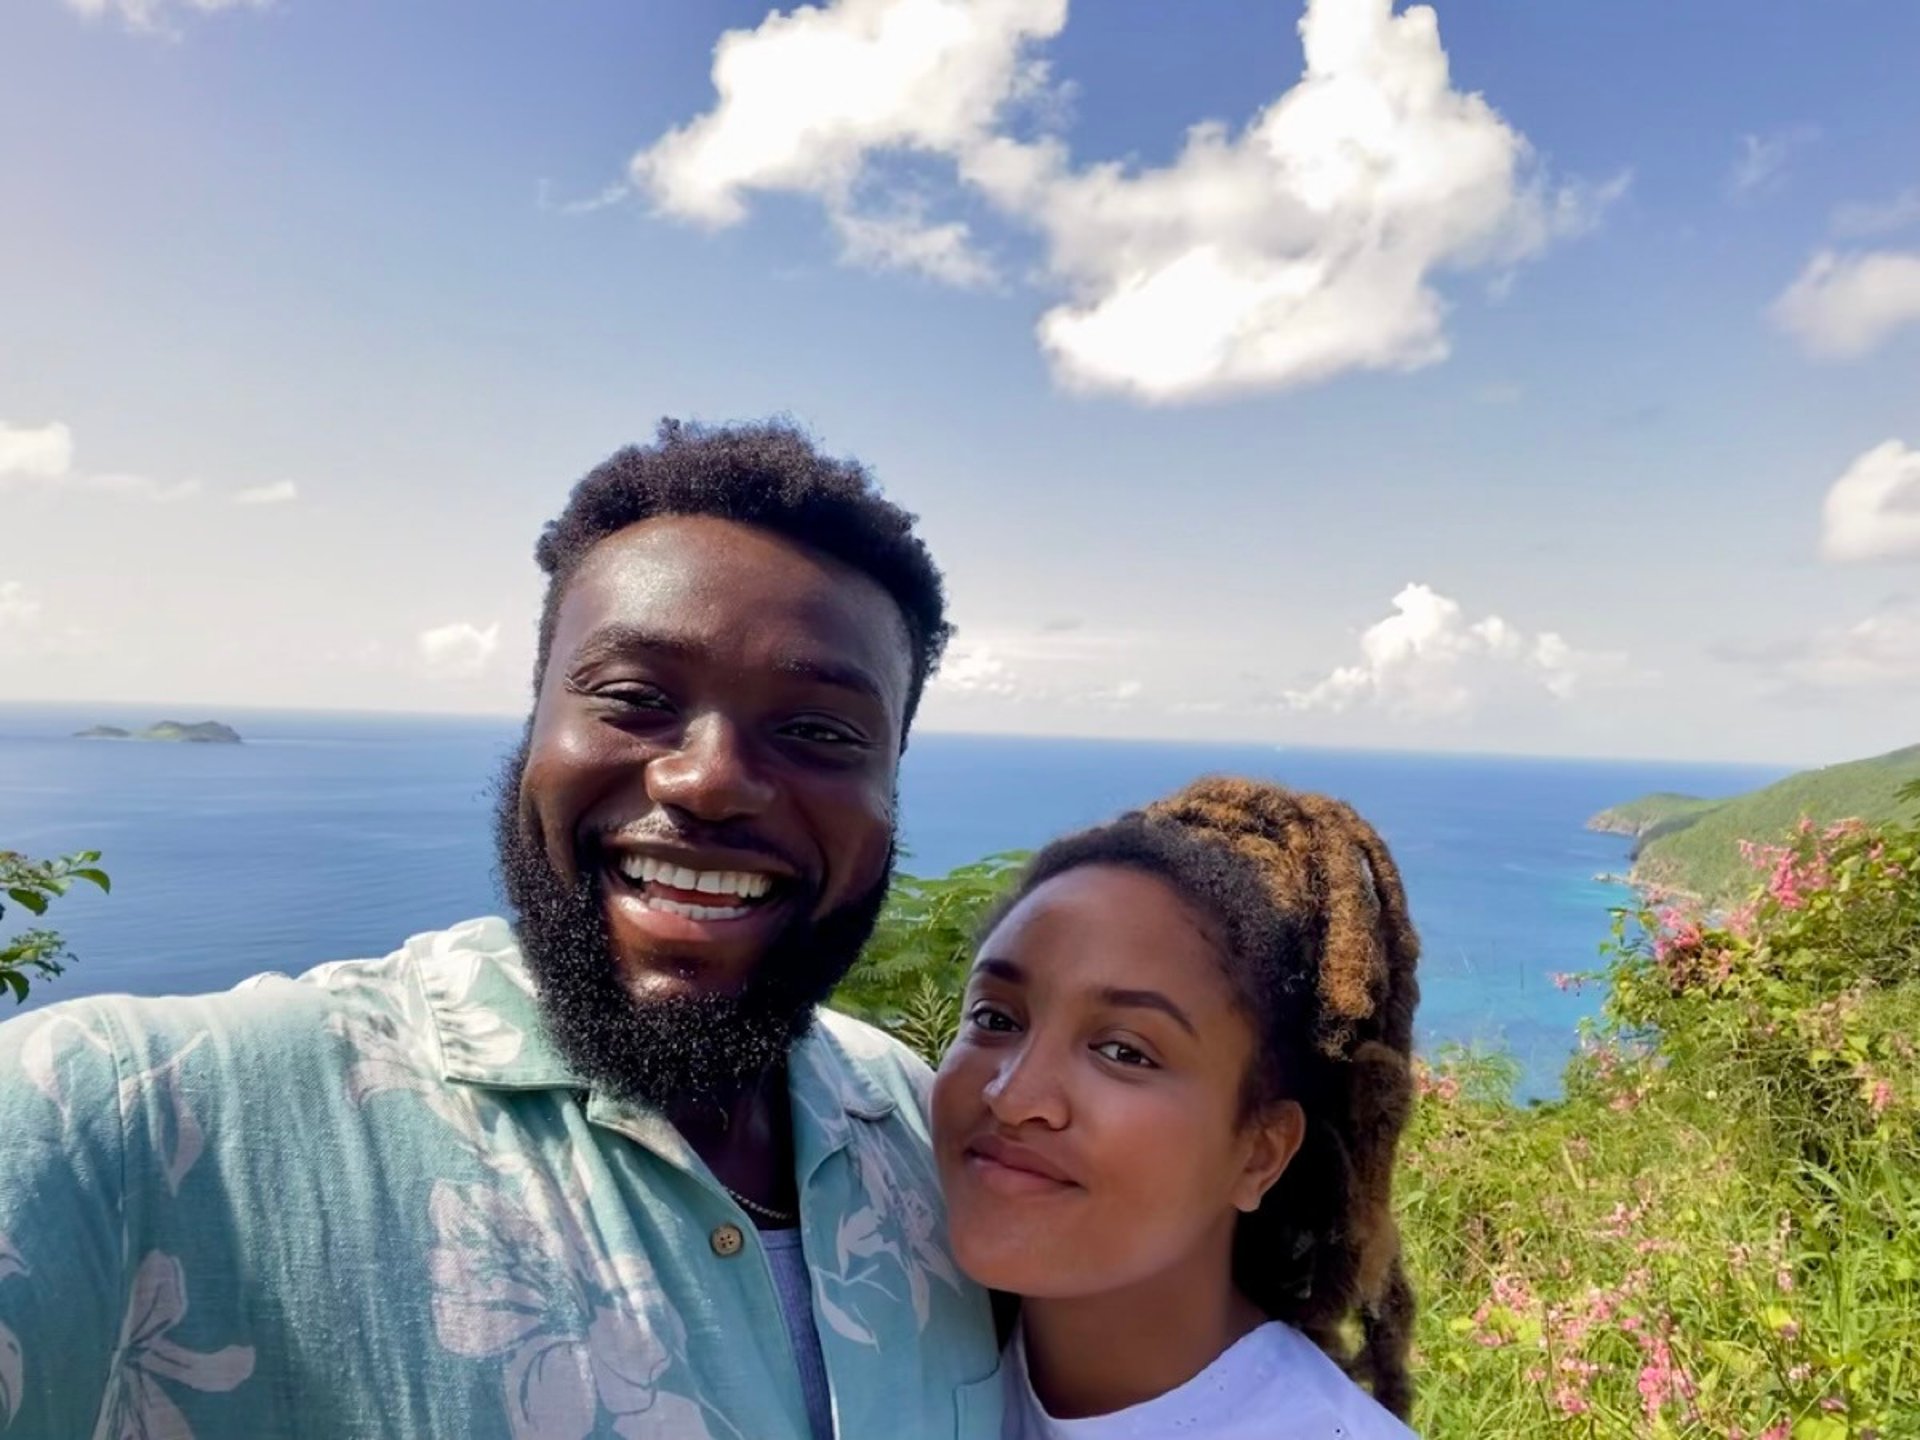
column 727, row 1240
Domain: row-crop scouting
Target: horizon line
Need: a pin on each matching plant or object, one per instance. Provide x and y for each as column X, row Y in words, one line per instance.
column 184, row 708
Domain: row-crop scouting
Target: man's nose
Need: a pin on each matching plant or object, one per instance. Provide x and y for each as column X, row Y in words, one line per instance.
column 711, row 774
column 1026, row 1087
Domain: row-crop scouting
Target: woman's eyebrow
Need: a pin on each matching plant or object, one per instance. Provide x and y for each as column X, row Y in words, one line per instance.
column 1000, row 970
column 1149, row 1000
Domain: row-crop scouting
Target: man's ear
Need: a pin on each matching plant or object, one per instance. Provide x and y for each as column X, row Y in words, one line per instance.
column 1273, row 1138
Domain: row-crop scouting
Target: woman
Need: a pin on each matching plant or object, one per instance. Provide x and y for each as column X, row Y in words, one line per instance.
column 1167, row 1125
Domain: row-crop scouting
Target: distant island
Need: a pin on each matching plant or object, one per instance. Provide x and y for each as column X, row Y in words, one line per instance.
column 1684, row 843
column 205, row 732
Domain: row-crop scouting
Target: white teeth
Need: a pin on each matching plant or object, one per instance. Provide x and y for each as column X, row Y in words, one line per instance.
column 697, row 912
column 647, row 870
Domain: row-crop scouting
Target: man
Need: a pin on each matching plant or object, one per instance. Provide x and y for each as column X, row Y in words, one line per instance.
column 607, row 1172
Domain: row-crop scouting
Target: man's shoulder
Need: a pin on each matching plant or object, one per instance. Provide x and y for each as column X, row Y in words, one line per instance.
column 900, row 1074
column 268, row 1013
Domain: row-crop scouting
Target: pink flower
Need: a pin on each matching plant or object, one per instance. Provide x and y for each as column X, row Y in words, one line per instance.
column 1571, row 1401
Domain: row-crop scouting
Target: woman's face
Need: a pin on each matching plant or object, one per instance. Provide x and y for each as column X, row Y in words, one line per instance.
column 1088, row 1121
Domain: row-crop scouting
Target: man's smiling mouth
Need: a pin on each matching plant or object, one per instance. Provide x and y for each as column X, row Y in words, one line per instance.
column 702, row 895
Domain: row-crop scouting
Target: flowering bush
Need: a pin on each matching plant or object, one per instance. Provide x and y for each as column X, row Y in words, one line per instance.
column 1717, row 1231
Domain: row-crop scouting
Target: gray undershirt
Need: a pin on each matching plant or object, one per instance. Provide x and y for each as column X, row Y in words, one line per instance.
column 793, row 1286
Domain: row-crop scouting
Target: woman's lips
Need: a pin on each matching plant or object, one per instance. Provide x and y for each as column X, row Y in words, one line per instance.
column 1015, row 1170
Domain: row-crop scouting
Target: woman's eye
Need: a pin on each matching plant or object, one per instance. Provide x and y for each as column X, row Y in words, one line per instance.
column 1122, row 1053
column 986, row 1017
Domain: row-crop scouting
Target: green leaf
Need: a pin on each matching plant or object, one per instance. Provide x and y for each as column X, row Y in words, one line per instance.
column 17, row 981
column 31, row 900
column 98, row 877
column 1821, row 1427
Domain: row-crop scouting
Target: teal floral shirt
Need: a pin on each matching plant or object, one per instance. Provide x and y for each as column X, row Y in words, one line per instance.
column 373, row 1201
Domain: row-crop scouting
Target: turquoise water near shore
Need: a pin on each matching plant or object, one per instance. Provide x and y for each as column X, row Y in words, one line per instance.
column 327, row 836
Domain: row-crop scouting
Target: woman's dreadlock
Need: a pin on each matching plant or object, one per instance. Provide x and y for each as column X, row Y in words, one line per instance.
column 1313, row 924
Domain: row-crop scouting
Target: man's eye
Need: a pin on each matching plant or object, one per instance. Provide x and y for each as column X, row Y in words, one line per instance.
column 987, row 1017
column 1122, row 1053
column 633, row 697
column 817, row 732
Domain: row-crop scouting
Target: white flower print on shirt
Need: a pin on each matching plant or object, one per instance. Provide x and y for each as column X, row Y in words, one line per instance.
column 49, row 1047
column 61, row 1041
column 562, row 1316
column 137, row 1406
column 895, row 1236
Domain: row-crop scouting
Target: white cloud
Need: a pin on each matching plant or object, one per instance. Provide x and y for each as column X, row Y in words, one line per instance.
column 1879, row 652
column 459, row 651
column 1427, row 660
column 139, row 487
column 280, row 492
column 1844, row 305
column 1762, row 161
column 1878, row 217
column 805, row 99
column 1116, row 697
column 18, row 609
column 38, row 453
column 1299, row 248
column 903, row 240
column 44, row 456
column 976, row 670
column 609, row 195
column 1873, row 510
column 153, row 14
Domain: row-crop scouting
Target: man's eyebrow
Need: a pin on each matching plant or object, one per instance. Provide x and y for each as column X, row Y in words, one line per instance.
column 838, row 674
column 617, row 638
column 1149, row 1000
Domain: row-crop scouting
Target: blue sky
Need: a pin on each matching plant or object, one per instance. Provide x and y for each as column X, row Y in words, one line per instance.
column 1578, row 417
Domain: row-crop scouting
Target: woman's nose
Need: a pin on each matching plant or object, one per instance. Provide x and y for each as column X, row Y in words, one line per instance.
column 1026, row 1087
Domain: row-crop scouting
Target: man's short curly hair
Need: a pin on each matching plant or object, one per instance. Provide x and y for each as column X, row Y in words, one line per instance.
column 767, row 474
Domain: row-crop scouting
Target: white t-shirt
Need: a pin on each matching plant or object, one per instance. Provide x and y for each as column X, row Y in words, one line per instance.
column 1272, row 1384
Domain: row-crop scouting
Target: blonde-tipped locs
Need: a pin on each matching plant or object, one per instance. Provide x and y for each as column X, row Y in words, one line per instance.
column 1329, row 870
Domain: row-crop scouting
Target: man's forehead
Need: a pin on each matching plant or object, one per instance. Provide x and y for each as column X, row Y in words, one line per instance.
column 680, row 574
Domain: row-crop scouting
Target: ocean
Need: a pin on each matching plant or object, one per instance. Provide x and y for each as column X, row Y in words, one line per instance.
column 328, row 836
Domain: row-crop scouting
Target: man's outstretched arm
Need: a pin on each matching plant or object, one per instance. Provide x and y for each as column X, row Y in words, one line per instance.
column 63, row 1231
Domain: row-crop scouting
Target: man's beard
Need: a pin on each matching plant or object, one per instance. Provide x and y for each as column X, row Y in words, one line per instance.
column 673, row 1050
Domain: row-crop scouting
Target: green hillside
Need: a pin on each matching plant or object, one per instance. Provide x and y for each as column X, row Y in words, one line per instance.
column 1659, row 811
column 1698, row 851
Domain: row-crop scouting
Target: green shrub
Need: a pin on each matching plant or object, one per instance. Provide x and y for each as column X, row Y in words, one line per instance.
column 32, row 884
column 909, row 978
